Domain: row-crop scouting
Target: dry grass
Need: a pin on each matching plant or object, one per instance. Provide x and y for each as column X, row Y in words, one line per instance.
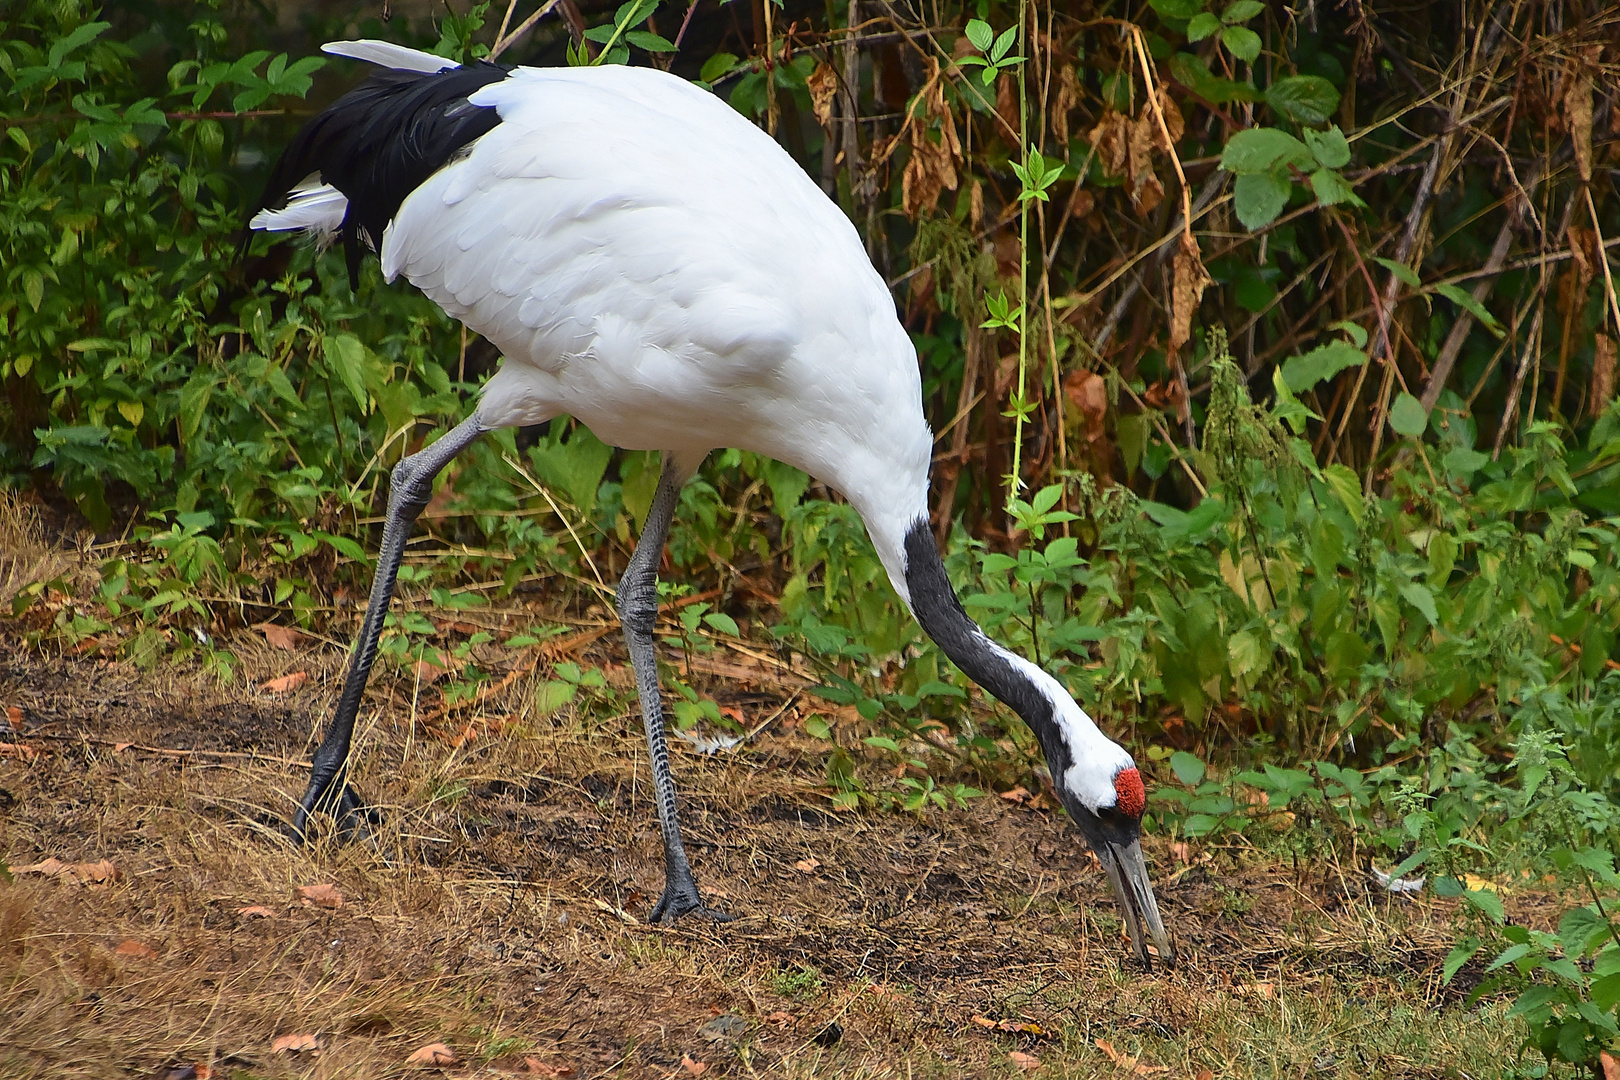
column 498, row 908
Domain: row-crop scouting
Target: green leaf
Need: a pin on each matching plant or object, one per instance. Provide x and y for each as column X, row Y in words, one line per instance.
column 1331, row 189
column 1202, row 26
column 1460, row 954
column 817, row 727
column 651, row 42
column 1407, row 416
column 716, row 66
column 723, row 623
column 1508, row 955
column 1421, row 598
column 1356, row 332
column 1320, row 364
column 1242, row 43
column 1331, row 148
column 346, row 358
column 1346, row 487
column 1177, row 9
column 1605, row 992
column 1004, row 42
column 82, row 36
column 1257, row 150
column 1188, row 769
column 980, row 34
column 1464, row 461
column 1260, row 197
column 1400, row 270
column 1241, row 11
column 1466, row 301
column 1306, row 99
column 1245, row 653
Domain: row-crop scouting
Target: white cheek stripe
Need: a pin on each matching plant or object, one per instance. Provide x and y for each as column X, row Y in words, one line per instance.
column 1094, row 758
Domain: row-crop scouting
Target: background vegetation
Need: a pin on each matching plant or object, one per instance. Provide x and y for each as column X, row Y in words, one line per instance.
column 1271, row 353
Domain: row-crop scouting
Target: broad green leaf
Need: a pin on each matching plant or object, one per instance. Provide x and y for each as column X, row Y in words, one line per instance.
column 716, row 66
column 1331, row 189
column 1407, row 416
column 346, row 358
column 651, row 42
column 1202, row 26
column 1464, row 461
column 1188, row 769
column 1320, row 364
column 1346, row 487
column 816, row 727
column 1177, row 9
column 1460, row 954
column 723, row 623
column 1358, row 334
column 1241, row 11
column 1260, row 197
column 1258, row 149
column 1466, row 301
column 1242, row 43
column 1331, row 148
column 1245, row 652
column 1422, row 599
column 1605, row 992
column 980, row 34
column 1307, row 99
column 1400, row 270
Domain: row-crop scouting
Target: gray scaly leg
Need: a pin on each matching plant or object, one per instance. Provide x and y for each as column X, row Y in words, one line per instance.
column 638, row 610
column 410, row 490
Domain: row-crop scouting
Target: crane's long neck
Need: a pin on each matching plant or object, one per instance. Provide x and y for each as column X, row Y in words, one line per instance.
column 1022, row 686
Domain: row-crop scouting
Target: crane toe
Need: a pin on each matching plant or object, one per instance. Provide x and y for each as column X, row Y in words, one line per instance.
column 680, row 901
column 348, row 811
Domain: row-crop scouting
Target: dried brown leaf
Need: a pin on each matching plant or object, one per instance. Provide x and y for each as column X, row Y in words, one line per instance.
column 540, row 1068
column 806, row 866
column 135, row 950
column 255, row 911
column 693, row 1068
column 19, row 751
column 1187, row 283
column 287, row 683
column 295, row 1044
column 325, row 895
column 95, row 873
column 1578, row 111
column 932, row 167
column 433, row 1055
column 1024, row 1061
column 1087, row 391
column 280, row 637
column 1603, row 373
column 1111, row 140
column 1019, row 794
column 14, row 718
column 823, row 84
column 1064, row 101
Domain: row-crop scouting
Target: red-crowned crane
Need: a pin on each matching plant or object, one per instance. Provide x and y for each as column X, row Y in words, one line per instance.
column 649, row 262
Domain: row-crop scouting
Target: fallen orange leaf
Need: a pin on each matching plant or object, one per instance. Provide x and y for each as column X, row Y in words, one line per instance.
column 281, row 637
column 287, row 683
column 1025, row 1061
column 433, row 1054
column 256, row 911
column 540, row 1068
column 20, row 750
column 96, row 873
column 693, row 1068
column 132, row 948
column 1128, row 1062
column 324, row 895
column 779, row 1017
column 295, row 1044
column 806, row 866
column 14, row 718
column 1019, row 794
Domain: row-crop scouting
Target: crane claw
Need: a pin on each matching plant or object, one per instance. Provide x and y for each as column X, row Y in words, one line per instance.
column 682, row 900
column 349, row 811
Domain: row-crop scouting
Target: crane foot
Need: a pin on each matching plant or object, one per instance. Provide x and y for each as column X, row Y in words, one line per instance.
column 679, row 901
column 348, row 811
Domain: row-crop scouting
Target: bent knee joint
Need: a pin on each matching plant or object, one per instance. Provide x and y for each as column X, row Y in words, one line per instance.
column 638, row 609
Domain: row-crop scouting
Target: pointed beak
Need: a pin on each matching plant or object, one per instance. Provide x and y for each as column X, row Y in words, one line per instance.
column 1128, row 874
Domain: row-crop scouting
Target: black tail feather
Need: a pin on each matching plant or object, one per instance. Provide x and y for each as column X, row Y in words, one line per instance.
column 380, row 141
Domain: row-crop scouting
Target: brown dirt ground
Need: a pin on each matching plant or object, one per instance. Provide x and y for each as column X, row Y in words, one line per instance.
column 500, row 906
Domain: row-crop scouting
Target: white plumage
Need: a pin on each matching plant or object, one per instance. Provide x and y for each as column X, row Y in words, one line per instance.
column 648, row 261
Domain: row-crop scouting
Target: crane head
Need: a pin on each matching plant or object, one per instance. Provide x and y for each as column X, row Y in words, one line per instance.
column 1111, row 820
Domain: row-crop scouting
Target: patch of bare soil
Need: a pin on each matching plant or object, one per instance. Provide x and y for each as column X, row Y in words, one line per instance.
column 499, row 908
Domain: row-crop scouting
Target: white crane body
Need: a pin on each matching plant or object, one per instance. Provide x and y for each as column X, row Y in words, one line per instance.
column 649, row 262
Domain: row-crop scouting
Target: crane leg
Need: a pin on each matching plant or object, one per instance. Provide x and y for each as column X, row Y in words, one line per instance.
column 410, row 489
column 638, row 610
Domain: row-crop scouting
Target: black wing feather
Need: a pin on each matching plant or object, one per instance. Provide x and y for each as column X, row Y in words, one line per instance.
column 380, row 141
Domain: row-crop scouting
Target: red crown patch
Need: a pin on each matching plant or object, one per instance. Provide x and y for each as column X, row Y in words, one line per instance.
column 1131, row 795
